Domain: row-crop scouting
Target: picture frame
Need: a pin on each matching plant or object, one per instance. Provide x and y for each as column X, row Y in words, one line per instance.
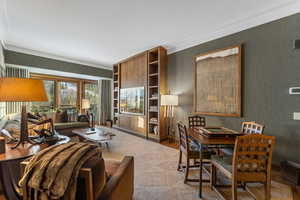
column 218, row 82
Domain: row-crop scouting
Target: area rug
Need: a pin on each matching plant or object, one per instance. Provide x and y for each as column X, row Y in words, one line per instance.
column 156, row 176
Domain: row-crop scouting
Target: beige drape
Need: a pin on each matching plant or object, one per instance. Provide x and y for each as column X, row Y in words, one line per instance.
column 2, row 72
column 105, row 108
column 18, row 72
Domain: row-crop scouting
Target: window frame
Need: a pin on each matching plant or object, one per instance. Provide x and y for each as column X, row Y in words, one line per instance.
column 57, row 79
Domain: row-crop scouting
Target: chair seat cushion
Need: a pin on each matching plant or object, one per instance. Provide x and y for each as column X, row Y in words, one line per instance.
column 224, row 161
column 227, row 151
column 195, row 149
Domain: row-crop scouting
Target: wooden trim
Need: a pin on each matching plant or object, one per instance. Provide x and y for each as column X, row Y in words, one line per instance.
column 129, row 58
column 59, row 78
column 239, row 80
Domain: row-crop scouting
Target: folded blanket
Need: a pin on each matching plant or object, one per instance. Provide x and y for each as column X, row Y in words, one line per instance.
column 52, row 173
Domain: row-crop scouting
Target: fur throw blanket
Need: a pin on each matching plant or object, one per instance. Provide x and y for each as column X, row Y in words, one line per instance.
column 52, row 173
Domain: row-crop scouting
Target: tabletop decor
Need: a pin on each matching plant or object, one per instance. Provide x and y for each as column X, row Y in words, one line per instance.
column 87, row 105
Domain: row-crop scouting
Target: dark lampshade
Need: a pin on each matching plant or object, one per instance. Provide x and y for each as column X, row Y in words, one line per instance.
column 22, row 90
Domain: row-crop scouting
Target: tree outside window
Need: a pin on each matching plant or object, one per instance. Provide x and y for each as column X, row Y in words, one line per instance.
column 49, row 105
column 91, row 93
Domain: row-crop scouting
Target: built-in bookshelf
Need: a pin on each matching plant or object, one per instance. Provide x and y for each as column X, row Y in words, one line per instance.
column 147, row 70
column 116, row 78
column 156, row 87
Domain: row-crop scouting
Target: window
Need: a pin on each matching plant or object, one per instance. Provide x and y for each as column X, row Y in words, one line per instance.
column 68, row 94
column 46, row 106
column 91, row 93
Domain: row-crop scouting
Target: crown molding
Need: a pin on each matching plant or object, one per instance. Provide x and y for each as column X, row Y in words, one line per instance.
column 13, row 47
column 256, row 19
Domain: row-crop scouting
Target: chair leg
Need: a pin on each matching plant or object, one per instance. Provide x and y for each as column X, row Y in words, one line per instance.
column 187, row 169
column 179, row 161
column 234, row 190
column 213, row 176
column 268, row 190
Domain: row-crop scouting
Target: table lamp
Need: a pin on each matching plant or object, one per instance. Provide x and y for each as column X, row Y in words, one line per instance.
column 169, row 101
column 87, row 105
column 22, row 90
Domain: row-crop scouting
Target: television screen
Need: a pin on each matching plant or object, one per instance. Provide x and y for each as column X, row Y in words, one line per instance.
column 132, row 100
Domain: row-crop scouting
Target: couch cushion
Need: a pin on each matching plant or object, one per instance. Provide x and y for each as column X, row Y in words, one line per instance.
column 59, row 126
column 61, row 116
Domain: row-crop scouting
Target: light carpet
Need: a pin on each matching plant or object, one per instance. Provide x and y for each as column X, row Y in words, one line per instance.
column 156, row 176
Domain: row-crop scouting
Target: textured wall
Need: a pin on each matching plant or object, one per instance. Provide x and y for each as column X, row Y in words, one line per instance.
column 270, row 67
column 17, row 58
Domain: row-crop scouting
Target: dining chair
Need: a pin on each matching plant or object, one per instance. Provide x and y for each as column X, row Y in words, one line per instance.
column 251, row 162
column 191, row 152
column 196, row 121
column 250, row 127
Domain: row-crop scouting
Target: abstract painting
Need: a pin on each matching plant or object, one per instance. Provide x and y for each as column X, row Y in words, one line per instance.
column 218, row 82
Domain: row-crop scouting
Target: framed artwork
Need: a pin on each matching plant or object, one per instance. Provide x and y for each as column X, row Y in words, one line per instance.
column 217, row 77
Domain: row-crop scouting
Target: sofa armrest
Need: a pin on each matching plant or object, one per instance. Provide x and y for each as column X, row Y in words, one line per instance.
column 121, row 185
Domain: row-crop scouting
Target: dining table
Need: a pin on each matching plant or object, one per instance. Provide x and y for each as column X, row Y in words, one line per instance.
column 211, row 142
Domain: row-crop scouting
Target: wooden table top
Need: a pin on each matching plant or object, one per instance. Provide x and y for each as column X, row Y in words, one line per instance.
column 210, row 141
column 25, row 151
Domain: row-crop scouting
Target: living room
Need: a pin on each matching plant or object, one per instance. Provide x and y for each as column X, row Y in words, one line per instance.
column 149, row 100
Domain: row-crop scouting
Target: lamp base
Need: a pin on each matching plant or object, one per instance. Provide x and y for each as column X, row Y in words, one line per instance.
column 24, row 129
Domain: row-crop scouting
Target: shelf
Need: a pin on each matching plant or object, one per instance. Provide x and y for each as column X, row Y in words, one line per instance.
column 153, row 86
column 153, row 62
column 154, row 123
column 115, row 81
column 152, row 135
column 116, row 99
column 154, row 74
column 153, row 98
column 154, row 111
column 116, row 73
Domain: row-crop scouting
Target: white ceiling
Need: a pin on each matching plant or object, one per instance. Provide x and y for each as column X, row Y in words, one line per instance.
column 101, row 33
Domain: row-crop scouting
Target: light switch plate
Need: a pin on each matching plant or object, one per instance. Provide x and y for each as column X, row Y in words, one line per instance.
column 296, row 116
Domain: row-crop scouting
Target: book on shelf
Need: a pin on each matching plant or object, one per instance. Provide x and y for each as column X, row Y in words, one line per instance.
column 155, row 95
column 154, row 120
column 153, row 108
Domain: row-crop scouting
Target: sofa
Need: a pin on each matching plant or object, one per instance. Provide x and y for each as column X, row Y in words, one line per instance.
column 104, row 179
column 65, row 122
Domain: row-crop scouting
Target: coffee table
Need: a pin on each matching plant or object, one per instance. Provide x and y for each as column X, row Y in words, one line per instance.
column 99, row 136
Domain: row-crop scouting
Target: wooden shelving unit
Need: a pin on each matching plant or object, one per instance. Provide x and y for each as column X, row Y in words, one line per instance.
column 146, row 69
column 156, row 87
column 116, row 82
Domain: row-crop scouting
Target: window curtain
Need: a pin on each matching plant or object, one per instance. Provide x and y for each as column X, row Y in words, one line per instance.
column 18, row 72
column 2, row 74
column 104, row 109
